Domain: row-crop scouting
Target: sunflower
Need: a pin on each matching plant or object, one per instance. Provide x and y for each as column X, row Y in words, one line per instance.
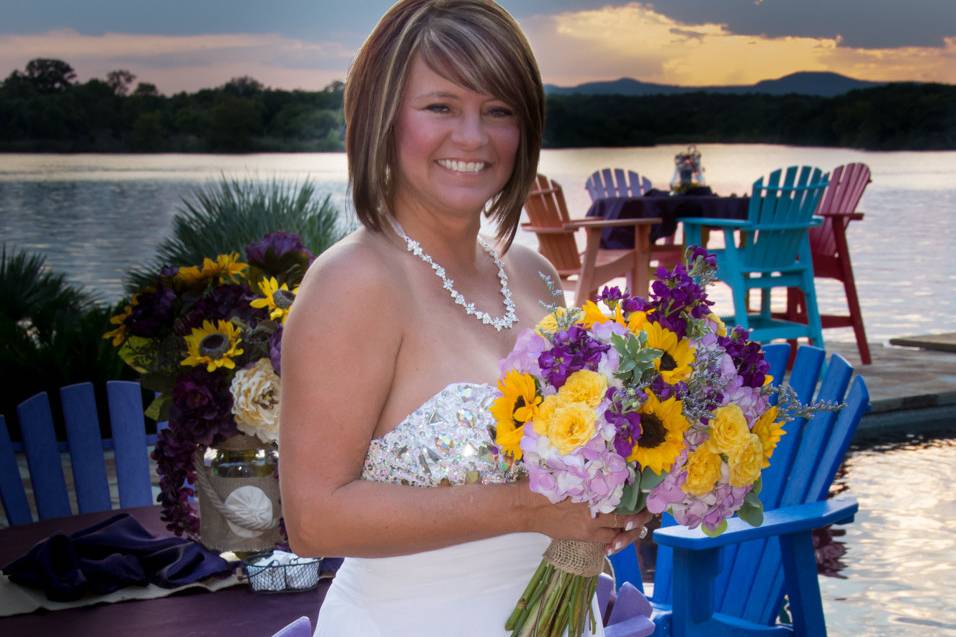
column 517, row 405
column 675, row 364
column 226, row 266
column 592, row 315
column 119, row 334
column 278, row 299
column 769, row 430
column 662, row 433
column 214, row 346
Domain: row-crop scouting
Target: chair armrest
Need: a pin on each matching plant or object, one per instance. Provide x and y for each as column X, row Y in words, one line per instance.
column 713, row 221
column 546, row 229
column 612, row 223
column 793, row 519
column 852, row 216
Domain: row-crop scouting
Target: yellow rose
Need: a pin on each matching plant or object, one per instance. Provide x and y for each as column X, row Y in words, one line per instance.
column 571, row 427
column 549, row 323
column 746, row 462
column 769, row 430
column 542, row 419
column 703, row 471
column 728, row 429
column 584, row 386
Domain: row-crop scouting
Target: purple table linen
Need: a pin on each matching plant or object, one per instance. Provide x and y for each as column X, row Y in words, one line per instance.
column 235, row 611
column 670, row 208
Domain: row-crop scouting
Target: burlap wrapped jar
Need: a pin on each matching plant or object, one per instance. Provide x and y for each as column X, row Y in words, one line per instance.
column 239, row 507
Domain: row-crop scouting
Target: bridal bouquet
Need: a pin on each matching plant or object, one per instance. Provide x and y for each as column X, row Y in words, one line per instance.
column 627, row 404
column 206, row 338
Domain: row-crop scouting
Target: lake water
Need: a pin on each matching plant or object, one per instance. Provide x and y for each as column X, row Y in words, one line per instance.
column 898, row 568
column 94, row 216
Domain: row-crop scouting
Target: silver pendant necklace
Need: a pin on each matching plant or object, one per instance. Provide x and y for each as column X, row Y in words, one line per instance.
column 504, row 322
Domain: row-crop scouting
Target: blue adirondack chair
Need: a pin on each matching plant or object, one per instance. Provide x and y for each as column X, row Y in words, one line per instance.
column 734, row 584
column 86, row 453
column 774, row 251
column 616, row 182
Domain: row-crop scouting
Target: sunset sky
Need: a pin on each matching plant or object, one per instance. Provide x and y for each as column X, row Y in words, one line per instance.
column 186, row 45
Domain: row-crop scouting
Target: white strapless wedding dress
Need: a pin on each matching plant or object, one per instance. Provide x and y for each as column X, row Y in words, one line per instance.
column 466, row 590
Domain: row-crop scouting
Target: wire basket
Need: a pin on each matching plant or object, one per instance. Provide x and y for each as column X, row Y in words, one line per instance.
column 273, row 577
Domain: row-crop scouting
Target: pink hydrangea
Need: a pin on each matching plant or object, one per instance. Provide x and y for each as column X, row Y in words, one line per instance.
column 524, row 357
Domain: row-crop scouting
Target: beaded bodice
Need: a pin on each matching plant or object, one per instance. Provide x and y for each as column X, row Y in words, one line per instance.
column 447, row 441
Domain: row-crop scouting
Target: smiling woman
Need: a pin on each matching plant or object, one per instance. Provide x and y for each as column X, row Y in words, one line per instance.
column 444, row 111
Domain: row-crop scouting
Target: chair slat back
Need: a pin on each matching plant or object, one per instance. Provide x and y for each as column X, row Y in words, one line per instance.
column 12, row 495
column 818, row 436
column 842, row 196
column 129, row 443
column 86, row 447
column 546, row 208
column 781, row 210
column 777, row 355
column 43, row 457
column 616, row 182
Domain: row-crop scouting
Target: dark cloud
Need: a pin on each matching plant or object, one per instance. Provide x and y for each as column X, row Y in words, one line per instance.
column 860, row 23
column 870, row 24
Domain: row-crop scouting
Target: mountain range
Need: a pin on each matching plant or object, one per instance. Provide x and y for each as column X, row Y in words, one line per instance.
column 823, row 84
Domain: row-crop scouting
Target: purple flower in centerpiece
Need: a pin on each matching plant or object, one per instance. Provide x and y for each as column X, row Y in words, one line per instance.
column 222, row 303
column 152, row 313
column 275, row 350
column 277, row 252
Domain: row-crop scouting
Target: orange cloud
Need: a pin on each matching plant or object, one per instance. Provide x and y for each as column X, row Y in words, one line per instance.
column 637, row 41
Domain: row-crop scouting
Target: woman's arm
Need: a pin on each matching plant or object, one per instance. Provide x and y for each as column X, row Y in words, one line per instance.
column 339, row 349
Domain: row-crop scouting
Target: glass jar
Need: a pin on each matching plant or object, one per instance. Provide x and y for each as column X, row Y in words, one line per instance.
column 688, row 173
column 258, row 462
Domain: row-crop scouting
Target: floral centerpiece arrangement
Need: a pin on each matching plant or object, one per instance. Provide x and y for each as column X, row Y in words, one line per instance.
column 633, row 403
column 688, row 172
column 207, row 339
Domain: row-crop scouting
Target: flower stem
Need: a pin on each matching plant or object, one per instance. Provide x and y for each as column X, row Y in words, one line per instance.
column 525, row 599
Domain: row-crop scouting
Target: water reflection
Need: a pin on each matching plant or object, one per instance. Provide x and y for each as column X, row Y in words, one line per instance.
column 898, row 565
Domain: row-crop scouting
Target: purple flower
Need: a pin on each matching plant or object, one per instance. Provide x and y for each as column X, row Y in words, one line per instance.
column 573, row 349
column 523, row 358
column 611, row 295
column 153, row 312
column 747, row 356
column 701, row 253
column 277, row 252
column 221, row 303
column 275, row 351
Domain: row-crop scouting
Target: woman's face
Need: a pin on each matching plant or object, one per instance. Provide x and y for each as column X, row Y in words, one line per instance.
column 455, row 148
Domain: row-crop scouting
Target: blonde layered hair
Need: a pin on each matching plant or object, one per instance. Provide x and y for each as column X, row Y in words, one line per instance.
column 473, row 43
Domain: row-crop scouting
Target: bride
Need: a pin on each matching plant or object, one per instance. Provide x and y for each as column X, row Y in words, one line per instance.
column 390, row 359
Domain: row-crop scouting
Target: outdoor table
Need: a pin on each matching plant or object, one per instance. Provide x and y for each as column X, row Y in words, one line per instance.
column 234, row 611
column 670, row 208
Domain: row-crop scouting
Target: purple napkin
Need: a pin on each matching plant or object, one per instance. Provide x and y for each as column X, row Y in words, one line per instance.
column 110, row 555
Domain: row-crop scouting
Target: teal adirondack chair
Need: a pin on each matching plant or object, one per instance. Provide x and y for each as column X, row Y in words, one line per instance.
column 86, row 448
column 734, row 584
column 774, row 251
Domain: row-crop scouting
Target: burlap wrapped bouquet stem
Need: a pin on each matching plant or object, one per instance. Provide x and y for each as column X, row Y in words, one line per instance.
column 578, row 558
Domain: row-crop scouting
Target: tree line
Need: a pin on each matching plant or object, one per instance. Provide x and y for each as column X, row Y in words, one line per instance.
column 45, row 109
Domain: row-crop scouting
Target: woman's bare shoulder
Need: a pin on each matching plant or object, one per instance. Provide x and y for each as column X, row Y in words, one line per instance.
column 529, row 267
column 360, row 267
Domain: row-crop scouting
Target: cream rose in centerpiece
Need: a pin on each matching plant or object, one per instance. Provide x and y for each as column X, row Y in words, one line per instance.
column 255, row 394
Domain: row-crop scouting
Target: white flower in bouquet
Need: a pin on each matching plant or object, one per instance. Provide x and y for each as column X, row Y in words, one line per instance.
column 255, row 396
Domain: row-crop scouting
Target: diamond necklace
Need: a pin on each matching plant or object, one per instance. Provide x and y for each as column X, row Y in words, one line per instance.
column 506, row 321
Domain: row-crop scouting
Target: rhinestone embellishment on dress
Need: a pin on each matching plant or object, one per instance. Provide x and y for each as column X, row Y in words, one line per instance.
column 510, row 316
column 444, row 442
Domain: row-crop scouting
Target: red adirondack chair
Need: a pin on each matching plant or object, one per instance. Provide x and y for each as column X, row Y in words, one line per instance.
column 831, row 253
column 616, row 182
